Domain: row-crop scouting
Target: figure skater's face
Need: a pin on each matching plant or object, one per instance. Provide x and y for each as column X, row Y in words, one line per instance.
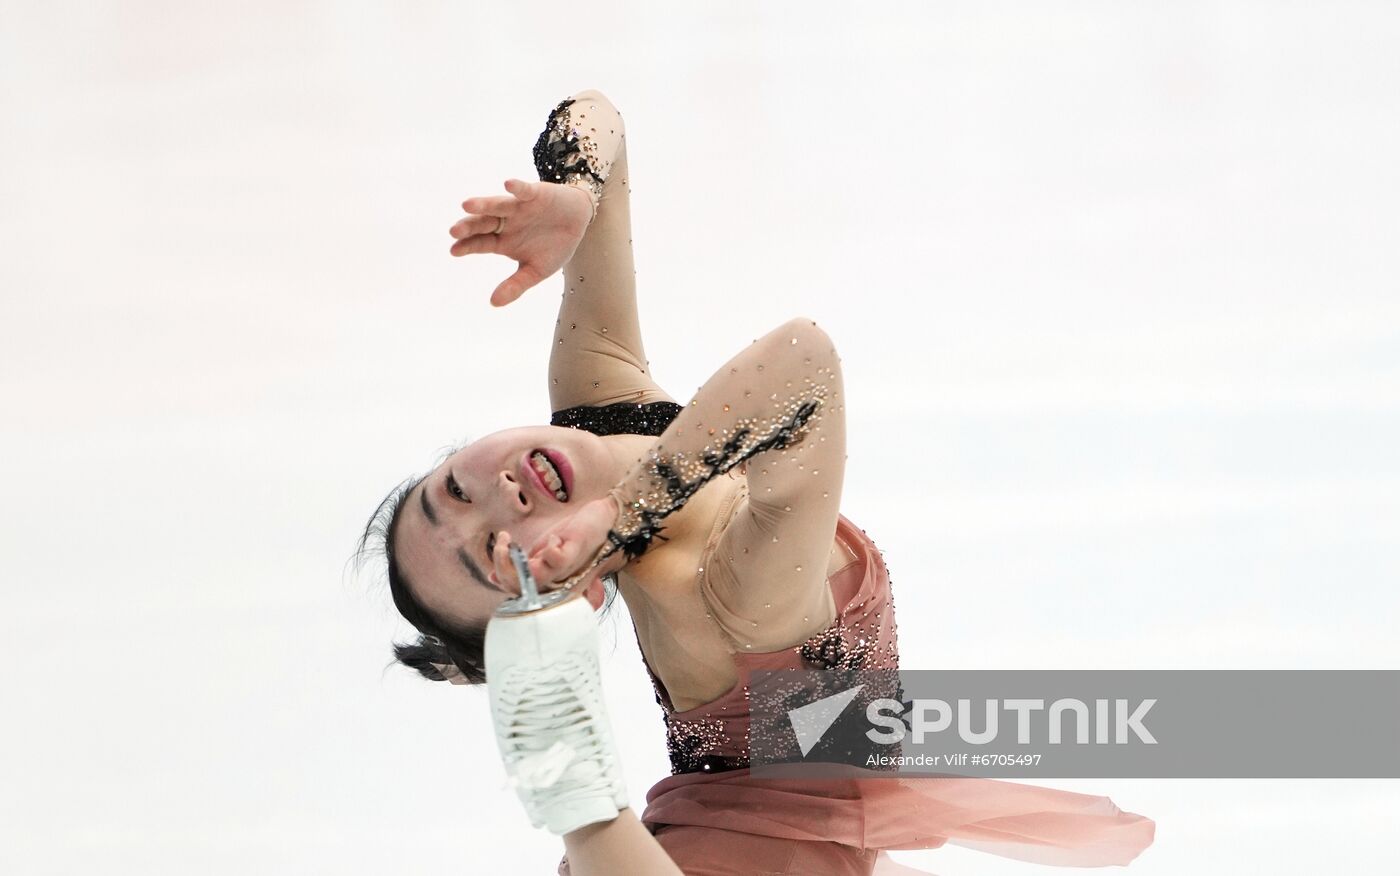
column 448, row 523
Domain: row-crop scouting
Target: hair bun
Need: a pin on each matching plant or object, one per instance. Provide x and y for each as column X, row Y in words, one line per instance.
column 435, row 661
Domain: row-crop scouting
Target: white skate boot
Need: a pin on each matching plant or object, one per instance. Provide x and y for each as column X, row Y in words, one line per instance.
column 547, row 707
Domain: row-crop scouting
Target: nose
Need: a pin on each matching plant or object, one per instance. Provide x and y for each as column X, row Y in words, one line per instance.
column 513, row 492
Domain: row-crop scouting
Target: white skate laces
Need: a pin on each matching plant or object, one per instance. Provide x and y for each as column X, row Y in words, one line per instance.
column 547, row 708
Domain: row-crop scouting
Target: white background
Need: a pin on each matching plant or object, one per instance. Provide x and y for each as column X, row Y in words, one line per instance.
column 1114, row 284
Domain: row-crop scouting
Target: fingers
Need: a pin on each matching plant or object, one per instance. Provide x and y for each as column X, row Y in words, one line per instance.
column 554, row 557
column 549, row 558
column 477, row 243
column 514, row 286
column 495, row 205
column 522, row 189
column 486, row 210
column 470, row 225
column 557, row 558
column 503, row 573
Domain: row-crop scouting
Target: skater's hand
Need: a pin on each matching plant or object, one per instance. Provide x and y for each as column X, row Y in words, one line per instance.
column 564, row 550
column 572, row 543
column 545, row 223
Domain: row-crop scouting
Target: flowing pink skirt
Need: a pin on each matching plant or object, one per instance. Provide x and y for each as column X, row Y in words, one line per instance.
column 732, row 823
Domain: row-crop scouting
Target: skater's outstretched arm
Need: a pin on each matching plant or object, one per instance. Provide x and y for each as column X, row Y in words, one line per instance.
column 578, row 218
column 596, row 355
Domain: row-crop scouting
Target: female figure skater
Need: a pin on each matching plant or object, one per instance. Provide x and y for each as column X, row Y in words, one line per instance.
column 719, row 520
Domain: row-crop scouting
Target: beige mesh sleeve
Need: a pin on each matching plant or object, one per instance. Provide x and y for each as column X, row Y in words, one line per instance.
column 777, row 409
column 596, row 356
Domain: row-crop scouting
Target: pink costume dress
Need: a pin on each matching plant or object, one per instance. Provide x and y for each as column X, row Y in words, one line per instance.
column 712, row 816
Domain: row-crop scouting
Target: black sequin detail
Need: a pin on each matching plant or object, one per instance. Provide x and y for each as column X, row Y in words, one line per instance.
column 623, row 418
column 558, row 153
column 691, row 745
column 829, row 650
column 645, row 518
column 638, row 544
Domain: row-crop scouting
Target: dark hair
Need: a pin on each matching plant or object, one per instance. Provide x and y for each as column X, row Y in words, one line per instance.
column 438, row 645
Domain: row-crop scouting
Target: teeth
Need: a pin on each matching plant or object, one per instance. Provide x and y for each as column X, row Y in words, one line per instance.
column 541, row 464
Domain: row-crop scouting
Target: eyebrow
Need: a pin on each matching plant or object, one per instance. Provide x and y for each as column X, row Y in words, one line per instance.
column 465, row 558
column 428, row 511
column 474, row 569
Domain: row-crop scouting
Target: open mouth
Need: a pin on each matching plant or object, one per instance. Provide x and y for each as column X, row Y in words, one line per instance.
column 552, row 472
